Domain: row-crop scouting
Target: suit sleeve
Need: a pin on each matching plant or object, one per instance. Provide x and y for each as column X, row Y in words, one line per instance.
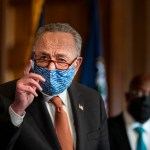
column 104, row 141
column 8, row 132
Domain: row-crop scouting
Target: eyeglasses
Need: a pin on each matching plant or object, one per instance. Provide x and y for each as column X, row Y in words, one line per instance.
column 44, row 62
column 139, row 93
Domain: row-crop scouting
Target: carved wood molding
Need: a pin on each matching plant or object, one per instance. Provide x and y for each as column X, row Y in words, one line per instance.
column 28, row 2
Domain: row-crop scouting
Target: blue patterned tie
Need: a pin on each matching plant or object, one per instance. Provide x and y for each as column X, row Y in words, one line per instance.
column 140, row 142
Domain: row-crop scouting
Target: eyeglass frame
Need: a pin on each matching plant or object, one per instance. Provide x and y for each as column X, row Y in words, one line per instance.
column 138, row 93
column 55, row 62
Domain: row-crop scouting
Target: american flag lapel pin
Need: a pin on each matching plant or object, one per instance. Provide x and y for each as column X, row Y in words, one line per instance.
column 81, row 107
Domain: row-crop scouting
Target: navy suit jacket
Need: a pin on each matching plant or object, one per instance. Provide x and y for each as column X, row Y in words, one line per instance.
column 118, row 137
column 37, row 131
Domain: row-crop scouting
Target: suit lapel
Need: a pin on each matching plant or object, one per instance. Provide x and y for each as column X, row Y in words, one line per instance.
column 126, row 139
column 40, row 114
column 123, row 133
column 77, row 105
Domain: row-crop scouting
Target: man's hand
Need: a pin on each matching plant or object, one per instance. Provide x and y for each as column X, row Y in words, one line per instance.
column 26, row 90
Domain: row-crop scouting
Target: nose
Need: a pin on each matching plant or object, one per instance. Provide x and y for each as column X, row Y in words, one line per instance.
column 147, row 93
column 51, row 66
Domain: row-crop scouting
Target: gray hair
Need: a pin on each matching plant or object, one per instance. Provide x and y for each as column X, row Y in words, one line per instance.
column 61, row 27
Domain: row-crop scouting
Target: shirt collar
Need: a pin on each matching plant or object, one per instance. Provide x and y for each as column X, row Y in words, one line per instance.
column 129, row 120
column 132, row 123
column 62, row 95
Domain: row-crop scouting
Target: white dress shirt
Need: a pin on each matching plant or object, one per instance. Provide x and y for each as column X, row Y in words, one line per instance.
column 17, row 119
column 130, row 124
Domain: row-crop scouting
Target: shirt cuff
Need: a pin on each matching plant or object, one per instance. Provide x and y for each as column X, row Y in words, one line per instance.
column 15, row 118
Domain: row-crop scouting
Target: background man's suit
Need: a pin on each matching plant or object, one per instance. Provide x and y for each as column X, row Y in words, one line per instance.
column 37, row 131
column 117, row 133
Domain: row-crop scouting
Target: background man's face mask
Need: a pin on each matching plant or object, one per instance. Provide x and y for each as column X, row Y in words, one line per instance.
column 139, row 108
column 56, row 80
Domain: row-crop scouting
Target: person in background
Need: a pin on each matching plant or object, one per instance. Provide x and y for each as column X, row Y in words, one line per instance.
column 44, row 109
column 130, row 130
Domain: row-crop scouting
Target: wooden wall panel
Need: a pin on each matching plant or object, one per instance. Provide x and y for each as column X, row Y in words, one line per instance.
column 1, row 26
column 2, row 40
column 21, row 39
column 147, row 53
column 116, row 56
column 139, row 36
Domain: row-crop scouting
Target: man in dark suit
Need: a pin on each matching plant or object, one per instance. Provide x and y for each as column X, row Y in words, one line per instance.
column 123, row 127
column 27, row 114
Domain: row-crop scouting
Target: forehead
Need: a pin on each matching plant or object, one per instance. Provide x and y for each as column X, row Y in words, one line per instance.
column 143, row 85
column 56, row 40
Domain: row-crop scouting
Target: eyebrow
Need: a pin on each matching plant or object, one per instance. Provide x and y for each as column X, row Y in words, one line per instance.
column 56, row 55
column 43, row 53
column 61, row 55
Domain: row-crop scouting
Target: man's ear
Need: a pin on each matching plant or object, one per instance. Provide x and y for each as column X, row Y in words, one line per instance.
column 78, row 63
column 127, row 96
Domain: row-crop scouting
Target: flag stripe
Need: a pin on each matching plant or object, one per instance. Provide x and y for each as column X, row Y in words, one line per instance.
column 93, row 69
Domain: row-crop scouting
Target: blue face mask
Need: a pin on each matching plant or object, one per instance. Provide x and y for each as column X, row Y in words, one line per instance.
column 56, row 80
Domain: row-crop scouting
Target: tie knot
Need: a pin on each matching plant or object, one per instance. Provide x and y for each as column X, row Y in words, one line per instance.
column 56, row 101
column 139, row 130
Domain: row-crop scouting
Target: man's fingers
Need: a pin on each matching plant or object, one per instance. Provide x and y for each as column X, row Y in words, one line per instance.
column 29, row 90
column 34, row 84
column 27, row 69
column 36, row 77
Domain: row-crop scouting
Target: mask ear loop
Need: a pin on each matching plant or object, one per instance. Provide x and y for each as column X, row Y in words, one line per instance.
column 74, row 63
column 78, row 62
